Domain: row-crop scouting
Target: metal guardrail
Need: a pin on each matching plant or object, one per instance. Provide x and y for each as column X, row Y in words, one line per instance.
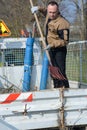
column 44, row 109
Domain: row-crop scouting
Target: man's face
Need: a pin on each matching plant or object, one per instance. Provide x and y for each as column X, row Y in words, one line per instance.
column 52, row 11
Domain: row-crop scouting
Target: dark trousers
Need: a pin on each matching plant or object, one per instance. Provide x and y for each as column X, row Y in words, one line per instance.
column 58, row 59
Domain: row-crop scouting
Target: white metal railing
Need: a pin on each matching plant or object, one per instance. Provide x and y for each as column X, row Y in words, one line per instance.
column 44, row 109
column 13, row 51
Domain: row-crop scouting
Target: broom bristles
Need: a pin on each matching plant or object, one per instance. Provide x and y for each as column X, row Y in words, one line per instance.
column 56, row 73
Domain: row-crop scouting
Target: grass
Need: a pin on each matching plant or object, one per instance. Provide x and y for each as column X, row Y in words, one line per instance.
column 1, row 64
column 73, row 66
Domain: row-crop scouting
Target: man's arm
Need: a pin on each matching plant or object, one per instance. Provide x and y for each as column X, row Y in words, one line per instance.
column 59, row 41
column 59, row 37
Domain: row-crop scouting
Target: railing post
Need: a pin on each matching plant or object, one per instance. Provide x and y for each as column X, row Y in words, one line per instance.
column 28, row 64
column 80, row 64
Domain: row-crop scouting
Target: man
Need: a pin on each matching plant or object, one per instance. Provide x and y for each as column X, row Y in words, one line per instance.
column 57, row 38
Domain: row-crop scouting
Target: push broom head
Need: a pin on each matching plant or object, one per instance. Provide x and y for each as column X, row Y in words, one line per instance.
column 56, row 73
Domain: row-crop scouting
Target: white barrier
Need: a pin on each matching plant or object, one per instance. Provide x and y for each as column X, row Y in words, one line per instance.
column 44, row 109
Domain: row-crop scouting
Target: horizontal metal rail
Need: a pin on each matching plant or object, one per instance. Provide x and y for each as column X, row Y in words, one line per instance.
column 44, row 109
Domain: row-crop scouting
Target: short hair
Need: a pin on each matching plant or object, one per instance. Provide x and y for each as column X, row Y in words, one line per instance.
column 53, row 3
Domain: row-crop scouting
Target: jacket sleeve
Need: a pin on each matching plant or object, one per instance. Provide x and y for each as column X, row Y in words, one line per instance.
column 59, row 40
column 60, row 36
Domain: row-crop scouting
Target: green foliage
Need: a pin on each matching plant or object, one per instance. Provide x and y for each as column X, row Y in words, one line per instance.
column 74, row 66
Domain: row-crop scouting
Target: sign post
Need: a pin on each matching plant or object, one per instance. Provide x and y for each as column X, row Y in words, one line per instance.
column 4, row 30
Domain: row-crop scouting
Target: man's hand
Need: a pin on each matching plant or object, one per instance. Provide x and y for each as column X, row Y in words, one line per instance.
column 34, row 9
column 47, row 47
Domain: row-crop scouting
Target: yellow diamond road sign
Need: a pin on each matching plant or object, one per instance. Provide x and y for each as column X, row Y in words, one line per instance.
column 4, row 30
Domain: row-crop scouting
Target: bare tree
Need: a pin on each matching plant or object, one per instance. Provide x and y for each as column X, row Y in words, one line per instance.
column 17, row 14
column 81, row 20
column 76, row 15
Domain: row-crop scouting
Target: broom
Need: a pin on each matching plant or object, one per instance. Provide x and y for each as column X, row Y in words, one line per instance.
column 54, row 71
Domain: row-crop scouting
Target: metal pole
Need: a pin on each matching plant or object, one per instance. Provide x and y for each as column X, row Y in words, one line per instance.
column 80, row 64
column 44, row 73
column 62, row 118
